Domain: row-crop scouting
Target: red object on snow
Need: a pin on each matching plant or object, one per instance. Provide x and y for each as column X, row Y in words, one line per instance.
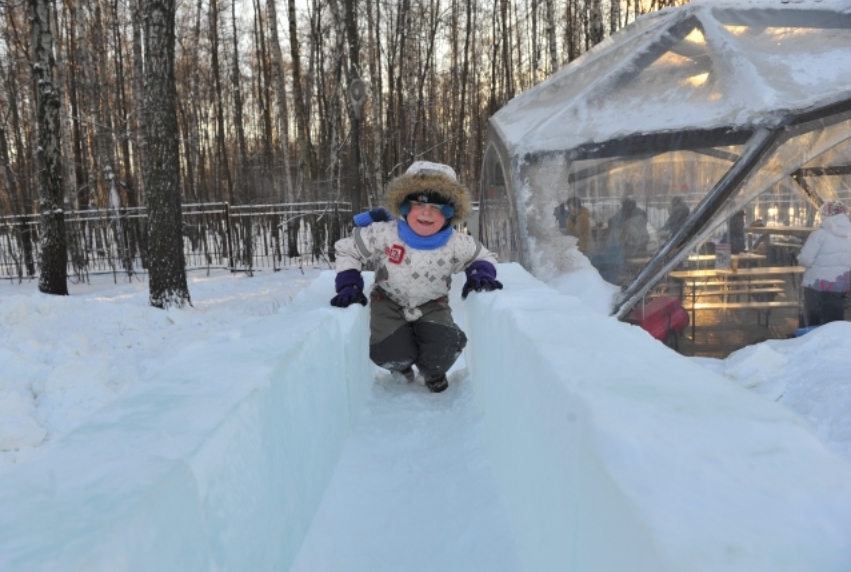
column 662, row 317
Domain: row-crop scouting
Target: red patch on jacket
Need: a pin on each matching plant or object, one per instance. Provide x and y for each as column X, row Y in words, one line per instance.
column 396, row 253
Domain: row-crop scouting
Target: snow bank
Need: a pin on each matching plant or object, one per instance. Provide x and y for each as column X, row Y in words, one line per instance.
column 808, row 375
column 199, row 471
column 615, row 453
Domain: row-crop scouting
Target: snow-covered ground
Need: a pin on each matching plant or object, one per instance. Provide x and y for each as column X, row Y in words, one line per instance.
column 394, row 474
column 62, row 358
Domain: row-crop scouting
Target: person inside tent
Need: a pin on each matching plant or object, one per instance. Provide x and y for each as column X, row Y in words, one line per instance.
column 628, row 229
column 678, row 211
column 736, row 232
column 414, row 251
column 627, row 238
column 827, row 257
column 578, row 222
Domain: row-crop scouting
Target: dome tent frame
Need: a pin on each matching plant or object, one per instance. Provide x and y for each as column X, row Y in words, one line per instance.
column 699, row 223
column 748, row 136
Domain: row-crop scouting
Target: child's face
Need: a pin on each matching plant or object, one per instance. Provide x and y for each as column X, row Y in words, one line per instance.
column 425, row 219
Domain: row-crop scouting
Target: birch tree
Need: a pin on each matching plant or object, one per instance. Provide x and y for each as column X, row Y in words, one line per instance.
column 54, row 254
column 167, row 267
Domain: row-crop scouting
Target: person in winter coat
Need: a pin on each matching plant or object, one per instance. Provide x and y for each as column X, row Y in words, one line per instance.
column 827, row 258
column 628, row 229
column 677, row 214
column 578, row 222
column 736, row 232
column 414, row 251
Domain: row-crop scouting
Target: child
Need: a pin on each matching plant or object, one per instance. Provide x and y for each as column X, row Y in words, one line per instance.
column 414, row 258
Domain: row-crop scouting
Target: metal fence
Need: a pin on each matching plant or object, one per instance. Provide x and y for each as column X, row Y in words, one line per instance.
column 215, row 235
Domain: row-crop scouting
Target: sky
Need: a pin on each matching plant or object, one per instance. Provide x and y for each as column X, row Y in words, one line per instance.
column 413, row 475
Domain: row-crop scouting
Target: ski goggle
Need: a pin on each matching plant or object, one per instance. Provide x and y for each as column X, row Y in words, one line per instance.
column 446, row 210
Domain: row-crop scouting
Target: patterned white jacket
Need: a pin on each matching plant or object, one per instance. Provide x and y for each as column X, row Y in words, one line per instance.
column 827, row 255
column 410, row 277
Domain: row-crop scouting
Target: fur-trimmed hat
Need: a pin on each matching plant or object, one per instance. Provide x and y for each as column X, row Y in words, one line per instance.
column 830, row 208
column 434, row 180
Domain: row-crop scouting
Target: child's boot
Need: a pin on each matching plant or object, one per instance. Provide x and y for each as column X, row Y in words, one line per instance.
column 404, row 376
column 437, row 383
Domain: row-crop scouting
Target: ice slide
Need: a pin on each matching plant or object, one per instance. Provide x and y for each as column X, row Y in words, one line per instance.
column 569, row 441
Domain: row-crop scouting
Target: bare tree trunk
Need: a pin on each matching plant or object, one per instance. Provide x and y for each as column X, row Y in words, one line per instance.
column 167, row 282
column 571, row 31
column 238, row 111
column 302, row 134
column 139, row 95
column 508, row 79
column 9, row 177
column 493, row 106
column 104, row 143
column 120, row 66
column 334, row 94
column 536, row 49
column 264, row 91
column 615, row 16
column 462, row 110
column 281, row 91
column 596, row 24
column 304, row 172
column 377, row 103
column 221, row 145
column 354, row 118
column 426, row 71
column 54, row 252
column 551, row 36
column 88, row 118
column 193, row 145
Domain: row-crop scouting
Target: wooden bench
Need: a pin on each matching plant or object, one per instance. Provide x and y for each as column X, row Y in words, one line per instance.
column 766, row 293
column 715, row 283
column 772, row 287
column 760, row 307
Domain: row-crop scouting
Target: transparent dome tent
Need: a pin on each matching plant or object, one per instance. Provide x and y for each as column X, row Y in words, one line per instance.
column 729, row 108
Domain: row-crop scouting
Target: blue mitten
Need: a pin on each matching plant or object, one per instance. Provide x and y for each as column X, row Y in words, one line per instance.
column 349, row 285
column 481, row 277
column 375, row 215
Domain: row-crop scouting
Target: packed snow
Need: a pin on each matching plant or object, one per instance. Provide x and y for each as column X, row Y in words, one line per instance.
column 415, row 476
column 65, row 357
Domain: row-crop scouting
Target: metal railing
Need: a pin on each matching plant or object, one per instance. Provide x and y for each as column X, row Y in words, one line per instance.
column 215, row 235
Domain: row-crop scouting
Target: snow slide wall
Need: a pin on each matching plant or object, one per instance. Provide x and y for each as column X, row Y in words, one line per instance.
column 198, row 472
column 614, row 453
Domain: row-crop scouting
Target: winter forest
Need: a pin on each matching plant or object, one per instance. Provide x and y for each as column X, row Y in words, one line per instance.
column 315, row 103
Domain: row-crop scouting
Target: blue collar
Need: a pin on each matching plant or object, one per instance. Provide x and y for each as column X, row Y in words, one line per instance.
column 414, row 240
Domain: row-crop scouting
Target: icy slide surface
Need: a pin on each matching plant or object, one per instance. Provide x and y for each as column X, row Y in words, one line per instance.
column 567, row 441
column 414, row 490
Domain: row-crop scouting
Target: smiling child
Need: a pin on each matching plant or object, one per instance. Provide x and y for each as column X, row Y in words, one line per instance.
column 414, row 257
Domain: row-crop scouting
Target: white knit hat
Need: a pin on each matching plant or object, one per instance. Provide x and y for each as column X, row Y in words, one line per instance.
column 429, row 168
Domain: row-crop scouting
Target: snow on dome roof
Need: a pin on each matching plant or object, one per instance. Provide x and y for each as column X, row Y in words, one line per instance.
column 708, row 64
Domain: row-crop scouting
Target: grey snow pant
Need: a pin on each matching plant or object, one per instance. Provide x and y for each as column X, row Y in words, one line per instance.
column 432, row 343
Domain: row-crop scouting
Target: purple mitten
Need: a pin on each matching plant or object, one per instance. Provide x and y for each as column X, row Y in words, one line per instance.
column 375, row 215
column 481, row 277
column 349, row 285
